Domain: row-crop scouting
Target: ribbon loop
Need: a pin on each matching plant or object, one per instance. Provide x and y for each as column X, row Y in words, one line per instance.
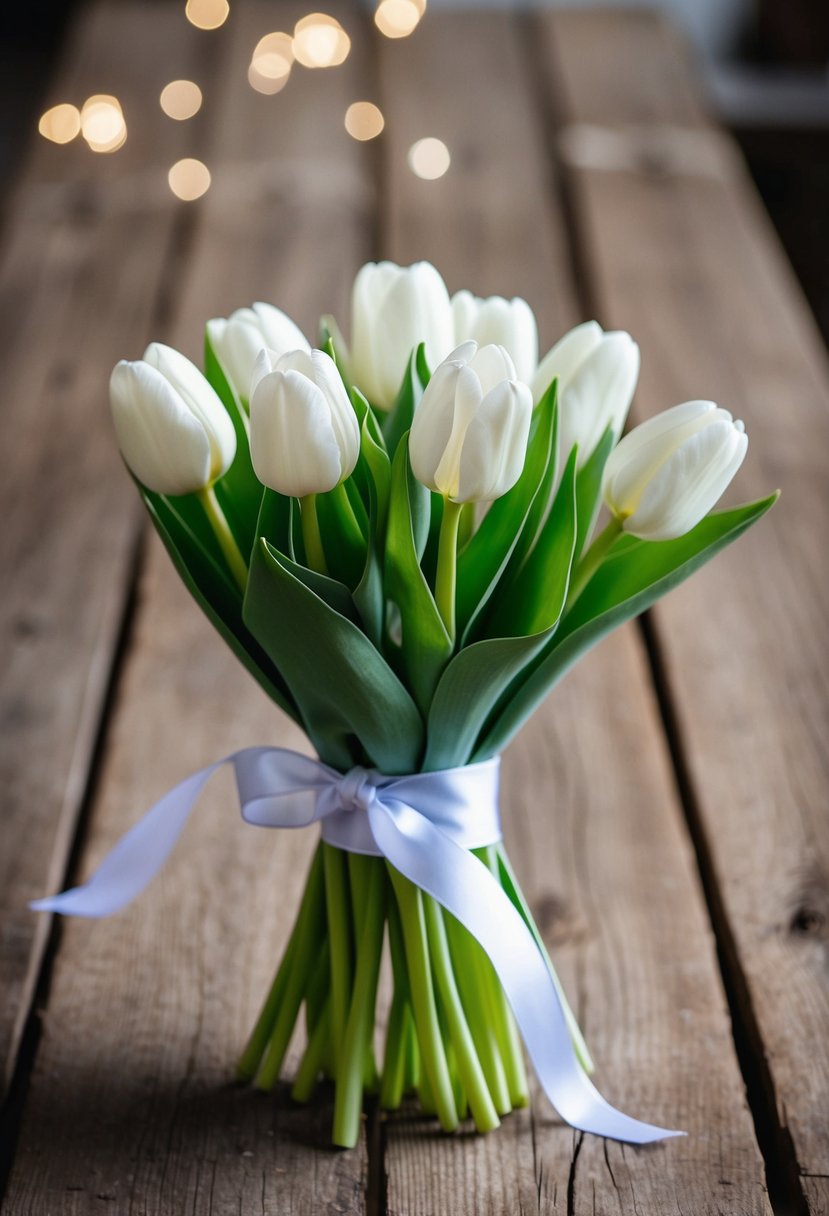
column 425, row 825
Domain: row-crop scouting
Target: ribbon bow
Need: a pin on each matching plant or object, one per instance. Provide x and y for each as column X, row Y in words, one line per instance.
column 425, row 825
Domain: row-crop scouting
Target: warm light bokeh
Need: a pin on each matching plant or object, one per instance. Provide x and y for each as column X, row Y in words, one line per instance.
column 429, row 158
column 181, row 99
column 189, row 179
column 207, row 14
column 320, row 41
column 398, row 18
column 265, row 84
column 102, row 123
column 363, row 120
column 274, row 56
column 60, row 124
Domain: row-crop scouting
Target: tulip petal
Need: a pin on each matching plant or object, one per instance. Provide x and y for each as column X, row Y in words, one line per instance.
column 201, row 399
column 598, row 395
column 293, row 445
column 562, row 360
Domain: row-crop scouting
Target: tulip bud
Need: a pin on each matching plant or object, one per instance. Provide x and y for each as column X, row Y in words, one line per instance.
column 173, row 431
column 509, row 323
column 247, row 331
column 394, row 309
column 597, row 374
column 304, row 434
column 668, row 473
column 469, row 435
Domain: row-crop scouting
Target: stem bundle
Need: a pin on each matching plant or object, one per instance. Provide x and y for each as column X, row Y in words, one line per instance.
column 450, row 1038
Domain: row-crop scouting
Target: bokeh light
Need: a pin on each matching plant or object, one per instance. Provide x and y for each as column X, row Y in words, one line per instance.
column 265, row 84
column 429, row 158
column 189, row 179
column 320, row 41
column 207, row 14
column 181, row 99
column 363, row 120
column 60, row 124
column 273, row 56
column 398, row 18
column 102, row 123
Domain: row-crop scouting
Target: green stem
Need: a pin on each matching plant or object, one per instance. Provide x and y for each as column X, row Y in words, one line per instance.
column 221, row 528
column 394, row 1056
column 348, row 1102
column 591, row 561
column 447, row 564
column 310, row 928
column 470, row 971
column 466, row 1057
column 506, row 1030
column 338, row 906
column 433, row 1056
column 312, row 539
column 258, row 1041
column 312, row 1061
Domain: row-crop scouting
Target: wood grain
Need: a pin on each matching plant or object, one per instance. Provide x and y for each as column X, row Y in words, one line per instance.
column 688, row 263
column 84, row 261
column 130, row 1102
column 591, row 813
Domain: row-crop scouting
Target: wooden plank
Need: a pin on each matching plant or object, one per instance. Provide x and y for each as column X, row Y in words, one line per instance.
column 84, row 260
column 129, row 1101
column 688, row 262
column 592, row 818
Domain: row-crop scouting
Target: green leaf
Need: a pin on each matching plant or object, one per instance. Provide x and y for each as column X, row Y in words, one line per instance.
column 589, row 488
column 239, row 492
column 511, row 522
column 217, row 595
column 426, row 646
column 398, row 420
column 477, row 677
column 353, row 706
column 374, row 473
column 634, row 575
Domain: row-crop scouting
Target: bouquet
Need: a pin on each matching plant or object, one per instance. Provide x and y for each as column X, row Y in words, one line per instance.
column 400, row 542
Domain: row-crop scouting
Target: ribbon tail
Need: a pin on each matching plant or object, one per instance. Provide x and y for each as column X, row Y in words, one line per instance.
column 466, row 889
column 136, row 858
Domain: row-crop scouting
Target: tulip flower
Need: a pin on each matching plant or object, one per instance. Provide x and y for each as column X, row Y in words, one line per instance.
column 238, row 340
column 509, row 323
column 175, row 434
column 597, row 374
column 468, row 442
column 394, row 309
column 173, row 431
column 305, row 438
column 670, row 471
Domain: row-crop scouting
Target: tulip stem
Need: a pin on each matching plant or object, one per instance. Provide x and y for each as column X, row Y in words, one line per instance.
column 447, row 564
column 312, row 538
column 592, row 559
column 227, row 541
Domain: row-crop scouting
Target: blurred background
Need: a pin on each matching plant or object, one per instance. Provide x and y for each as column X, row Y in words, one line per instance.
column 765, row 64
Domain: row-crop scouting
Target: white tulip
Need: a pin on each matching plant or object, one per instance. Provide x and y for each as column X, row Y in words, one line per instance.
column 668, row 473
column 597, row 374
column 304, row 434
column 393, row 310
column 509, row 323
column 469, row 435
column 173, row 431
column 238, row 340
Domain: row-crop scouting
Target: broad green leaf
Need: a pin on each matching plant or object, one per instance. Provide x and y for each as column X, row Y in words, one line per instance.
column 353, row 706
column 634, row 575
column 239, row 492
column 426, row 645
column 217, row 596
column 398, row 420
column 511, row 520
column 343, row 532
column 589, row 489
column 374, row 473
column 478, row 675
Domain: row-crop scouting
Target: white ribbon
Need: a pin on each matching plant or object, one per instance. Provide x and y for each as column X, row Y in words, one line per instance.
column 425, row 826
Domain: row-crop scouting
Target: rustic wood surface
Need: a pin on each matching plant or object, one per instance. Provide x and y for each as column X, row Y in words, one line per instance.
column 666, row 809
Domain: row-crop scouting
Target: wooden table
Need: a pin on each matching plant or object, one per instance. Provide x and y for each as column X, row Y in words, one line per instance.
column 666, row 810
